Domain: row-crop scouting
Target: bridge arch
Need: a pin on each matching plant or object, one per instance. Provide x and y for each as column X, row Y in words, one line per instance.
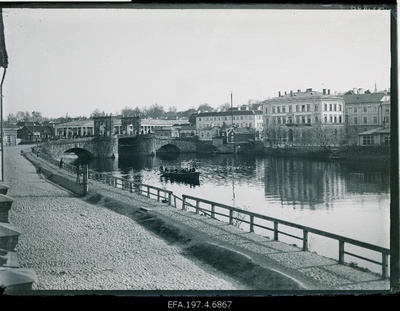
column 80, row 152
column 168, row 149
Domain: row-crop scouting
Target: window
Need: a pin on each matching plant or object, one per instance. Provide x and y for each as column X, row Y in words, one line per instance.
column 365, row 109
column 365, row 120
column 335, row 119
column 368, row 140
column 347, row 119
column 303, row 120
column 297, row 119
column 278, row 109
column 334, row 107
column 303, row 108
column 355, row 120
column 316, row 119
column 309, row 120
column 330, row 119
column 199, row 119
column 355, row 109
column 284, row 120
column 330, row 107
column 316, row 107
column 387, row 140
column 290, row 120
column 375, row 119
column 279, row 120
column 325, row 119
column 308, row 107
column 325, row 107
column 283, row 109
column 241, row 118
column 273, row 109
column 297, row 108
column 340, row 119
column 266, row 109
column 290, row 108
column 340, row 107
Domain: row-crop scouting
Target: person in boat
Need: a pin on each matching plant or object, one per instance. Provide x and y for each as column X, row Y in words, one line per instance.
column 161, row 169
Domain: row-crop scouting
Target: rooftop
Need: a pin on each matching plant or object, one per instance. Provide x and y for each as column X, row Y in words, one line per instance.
column 364, row 98
column 229, row 113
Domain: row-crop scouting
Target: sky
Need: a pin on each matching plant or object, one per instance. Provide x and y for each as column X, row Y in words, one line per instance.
column 73, row 61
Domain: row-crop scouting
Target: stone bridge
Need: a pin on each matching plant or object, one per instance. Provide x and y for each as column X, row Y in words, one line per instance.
column 125, row 145
column 98, row 147
column 156, row 145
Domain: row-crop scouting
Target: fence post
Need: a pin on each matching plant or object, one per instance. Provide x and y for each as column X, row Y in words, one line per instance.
column 148, row 191
column 275, row 231
column 251, row 223
column 85, row 179
column 130, row 186
column 341, row 252
column 158, row 195
column 230, row 216
column 213, row 211
column 305, row 240
column 169, row 198
column 197, row 206
column 175, row 202
column 384, row 266
column 183, row 203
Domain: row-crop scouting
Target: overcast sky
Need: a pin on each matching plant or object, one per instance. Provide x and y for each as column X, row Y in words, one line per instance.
column 74, row 61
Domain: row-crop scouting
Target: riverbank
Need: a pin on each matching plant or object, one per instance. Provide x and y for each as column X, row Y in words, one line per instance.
column 253, row 261
column 344, row 153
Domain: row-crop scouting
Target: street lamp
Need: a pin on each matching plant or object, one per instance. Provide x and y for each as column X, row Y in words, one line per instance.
column 33, row 125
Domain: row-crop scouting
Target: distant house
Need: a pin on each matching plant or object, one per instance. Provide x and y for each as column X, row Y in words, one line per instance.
column 166, row 131
column 208, row 133
column 374, row 137
column 35, row 133
column 186, row 130
column 240, row 135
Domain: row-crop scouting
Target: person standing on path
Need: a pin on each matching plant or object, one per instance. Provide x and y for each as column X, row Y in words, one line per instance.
column 61, row 162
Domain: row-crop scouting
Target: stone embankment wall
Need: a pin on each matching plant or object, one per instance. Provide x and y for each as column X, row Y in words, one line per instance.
column 13, row 279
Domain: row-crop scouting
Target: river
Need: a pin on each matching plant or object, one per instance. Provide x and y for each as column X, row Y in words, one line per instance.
column 346, row 198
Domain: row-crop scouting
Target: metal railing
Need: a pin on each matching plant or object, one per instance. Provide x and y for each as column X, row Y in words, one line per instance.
column 213, row 213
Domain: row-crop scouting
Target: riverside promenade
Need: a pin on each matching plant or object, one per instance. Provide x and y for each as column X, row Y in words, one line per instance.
column 116, row 240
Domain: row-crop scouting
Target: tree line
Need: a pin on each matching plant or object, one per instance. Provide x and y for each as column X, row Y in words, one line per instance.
column 155, row 111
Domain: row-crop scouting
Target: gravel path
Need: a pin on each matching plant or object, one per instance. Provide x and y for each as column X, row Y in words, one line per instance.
column 73, row 245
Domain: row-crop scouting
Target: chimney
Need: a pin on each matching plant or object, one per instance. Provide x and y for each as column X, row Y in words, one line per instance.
column 324, row 91
column 298, row 91
column 285, row 93
column 279, row 93
column 355, row 90
column 291, row 93
column 329, row 91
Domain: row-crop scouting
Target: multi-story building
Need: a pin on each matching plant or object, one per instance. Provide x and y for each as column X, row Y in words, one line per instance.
column 304, row 118
column 365, row 111
column 252, row 119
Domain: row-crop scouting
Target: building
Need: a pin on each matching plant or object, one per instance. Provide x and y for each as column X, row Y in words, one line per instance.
column 35, row 133
column 186, row 130
column 241, row 118
column 209, row 132
column 10, row 134
column 75, row 128
column 240, row 135
column 304, row 118
column 374, row 137
column 365, row 111
column 166, row 131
